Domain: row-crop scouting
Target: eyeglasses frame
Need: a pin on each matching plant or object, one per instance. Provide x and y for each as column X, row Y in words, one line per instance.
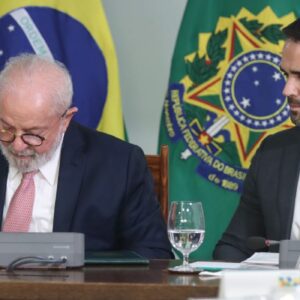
column 14, row 135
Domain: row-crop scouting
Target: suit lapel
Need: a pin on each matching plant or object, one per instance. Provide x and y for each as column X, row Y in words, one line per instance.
column 70, row 176
column 3, row 179
column 288, row 180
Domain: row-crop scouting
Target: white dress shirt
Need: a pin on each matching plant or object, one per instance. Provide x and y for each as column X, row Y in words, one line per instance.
column 295, row 233
column 45, row 193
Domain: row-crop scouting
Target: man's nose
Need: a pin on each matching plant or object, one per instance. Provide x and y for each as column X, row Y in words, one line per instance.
column 290, row 89
column 18, row 144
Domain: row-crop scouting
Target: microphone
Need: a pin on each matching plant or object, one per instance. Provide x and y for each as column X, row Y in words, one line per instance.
column 258, row 242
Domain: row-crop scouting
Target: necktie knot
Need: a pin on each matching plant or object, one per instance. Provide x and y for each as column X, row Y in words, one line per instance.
column 28, row 175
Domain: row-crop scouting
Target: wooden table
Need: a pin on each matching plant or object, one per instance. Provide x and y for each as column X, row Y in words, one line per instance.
column 151, row 281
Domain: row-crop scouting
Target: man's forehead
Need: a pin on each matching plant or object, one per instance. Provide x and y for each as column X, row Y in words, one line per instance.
column 291, row 43
column 30, row 126
column 26, row 103
column 291, row 53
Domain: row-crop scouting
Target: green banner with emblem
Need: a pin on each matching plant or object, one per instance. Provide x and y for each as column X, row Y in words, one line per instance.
column 224, row 97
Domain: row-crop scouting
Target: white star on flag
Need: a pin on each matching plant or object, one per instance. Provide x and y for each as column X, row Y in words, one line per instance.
column 245, row 102
column 276, row 76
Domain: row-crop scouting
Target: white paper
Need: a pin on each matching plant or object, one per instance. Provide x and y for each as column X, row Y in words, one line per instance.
column 254, row 283
column 263, row 258
column 214, row 266
column 207, row 275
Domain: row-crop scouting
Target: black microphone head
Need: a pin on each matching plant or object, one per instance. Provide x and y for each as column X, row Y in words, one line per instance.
column 256, row 242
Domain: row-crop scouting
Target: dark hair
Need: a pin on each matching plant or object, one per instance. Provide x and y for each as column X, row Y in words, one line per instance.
column 292, row 31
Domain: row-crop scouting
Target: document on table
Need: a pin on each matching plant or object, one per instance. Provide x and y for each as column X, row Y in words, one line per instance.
column 213, row 269
column 214, row 266
column 263, row 258
column 258, row 261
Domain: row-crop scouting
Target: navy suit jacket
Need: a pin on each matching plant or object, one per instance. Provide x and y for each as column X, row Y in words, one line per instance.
column 105, row 191
column 267, row 203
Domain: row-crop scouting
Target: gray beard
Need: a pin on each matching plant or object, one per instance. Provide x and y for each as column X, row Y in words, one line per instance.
column 36, row 161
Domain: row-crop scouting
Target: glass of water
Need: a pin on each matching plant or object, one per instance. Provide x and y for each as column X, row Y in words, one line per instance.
column 186, row 230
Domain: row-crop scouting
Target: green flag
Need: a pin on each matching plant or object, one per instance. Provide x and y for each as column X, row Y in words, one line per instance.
column 224, row 97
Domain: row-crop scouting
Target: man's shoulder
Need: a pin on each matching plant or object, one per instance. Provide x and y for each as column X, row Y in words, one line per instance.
column 80, row 135
column 284, row 137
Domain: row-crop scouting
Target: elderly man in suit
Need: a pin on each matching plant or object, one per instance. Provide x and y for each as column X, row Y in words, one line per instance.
column 270, row 202
column 56, row 175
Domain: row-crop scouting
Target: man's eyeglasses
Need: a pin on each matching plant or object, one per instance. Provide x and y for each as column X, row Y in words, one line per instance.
column 27, row 138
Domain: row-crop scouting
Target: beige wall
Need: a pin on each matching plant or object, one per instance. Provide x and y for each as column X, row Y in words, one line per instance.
column 144, row 32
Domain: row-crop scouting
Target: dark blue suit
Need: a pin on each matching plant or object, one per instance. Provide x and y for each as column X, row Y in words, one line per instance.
column 105, row 191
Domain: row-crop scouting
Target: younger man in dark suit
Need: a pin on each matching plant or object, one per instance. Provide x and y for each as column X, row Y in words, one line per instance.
column 270, row 202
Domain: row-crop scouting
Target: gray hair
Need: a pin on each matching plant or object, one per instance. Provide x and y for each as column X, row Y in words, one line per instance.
column 28, row 66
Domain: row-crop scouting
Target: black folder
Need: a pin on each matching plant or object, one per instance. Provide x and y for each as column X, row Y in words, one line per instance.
column 114, row 257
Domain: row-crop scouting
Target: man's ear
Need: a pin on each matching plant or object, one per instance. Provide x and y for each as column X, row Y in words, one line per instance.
column 69, row 115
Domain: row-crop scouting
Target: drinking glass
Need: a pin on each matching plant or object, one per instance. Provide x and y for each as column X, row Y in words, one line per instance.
column 186, row 230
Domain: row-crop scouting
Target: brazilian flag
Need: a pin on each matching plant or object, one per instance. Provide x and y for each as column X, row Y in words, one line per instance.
column 77, row 34
column 224, row 97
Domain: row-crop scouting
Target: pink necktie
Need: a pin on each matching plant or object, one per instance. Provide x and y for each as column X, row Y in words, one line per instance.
column 19, row 213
